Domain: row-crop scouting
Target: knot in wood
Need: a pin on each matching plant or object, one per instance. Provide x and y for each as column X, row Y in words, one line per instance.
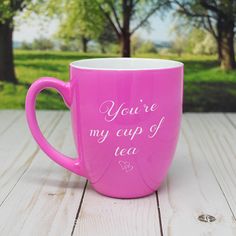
column 206, row 218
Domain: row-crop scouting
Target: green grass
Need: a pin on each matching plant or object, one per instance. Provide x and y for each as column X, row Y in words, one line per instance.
column 206, row 87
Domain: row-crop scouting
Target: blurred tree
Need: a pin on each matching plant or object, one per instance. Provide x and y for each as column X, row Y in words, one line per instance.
column 218, row 17
column 192, row 40
column 147, row 47
column 106, row 37
column 26, row 46
column 8, row 9
column 79, row 19
column 206, row 46
column 88, row 19
column 72, row 41
column 180, row 43
column 69, row 46
column 194, row 37
column 42, row 44
column 136, row 43
column 114, row 48
column 121, row 13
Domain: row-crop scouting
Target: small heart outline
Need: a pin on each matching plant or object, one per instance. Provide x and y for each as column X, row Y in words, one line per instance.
column 126, row 166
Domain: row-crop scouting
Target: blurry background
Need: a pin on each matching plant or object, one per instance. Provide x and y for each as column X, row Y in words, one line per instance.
column 41, row 37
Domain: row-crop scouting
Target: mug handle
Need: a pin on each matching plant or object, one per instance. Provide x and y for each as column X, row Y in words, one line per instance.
column 64, row 90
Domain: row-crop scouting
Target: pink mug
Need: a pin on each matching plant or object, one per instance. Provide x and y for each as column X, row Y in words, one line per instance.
column 126, row 115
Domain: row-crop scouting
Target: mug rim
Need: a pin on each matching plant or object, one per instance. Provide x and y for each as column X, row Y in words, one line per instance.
column 125, row 64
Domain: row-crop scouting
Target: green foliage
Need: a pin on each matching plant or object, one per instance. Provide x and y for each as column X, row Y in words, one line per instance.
column 114, row 48
column 86, row 16
column 206, row 87
column 31, row 65
column 78, row 17
column 9, row 8
column 104, row 21
column 5, row 10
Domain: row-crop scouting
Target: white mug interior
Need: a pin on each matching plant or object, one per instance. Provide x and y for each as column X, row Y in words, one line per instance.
column 125, row 64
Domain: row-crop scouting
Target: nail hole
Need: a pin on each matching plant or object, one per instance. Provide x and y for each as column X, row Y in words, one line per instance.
column 206, row 218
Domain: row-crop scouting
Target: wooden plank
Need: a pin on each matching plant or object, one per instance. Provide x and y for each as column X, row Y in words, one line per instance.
column 217, row 138
column 232, row 118
column 46, row 199
column 102, row 216
column 17, row 148
column 191, row 189
column 7, row 118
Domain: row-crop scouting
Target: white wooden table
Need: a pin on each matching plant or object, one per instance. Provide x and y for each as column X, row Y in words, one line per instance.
column 38, row 197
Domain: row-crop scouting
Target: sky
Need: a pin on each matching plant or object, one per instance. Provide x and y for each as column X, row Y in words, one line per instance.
column 34, row 27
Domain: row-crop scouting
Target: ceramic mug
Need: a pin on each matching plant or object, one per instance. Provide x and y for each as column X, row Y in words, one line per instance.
column 126, row 115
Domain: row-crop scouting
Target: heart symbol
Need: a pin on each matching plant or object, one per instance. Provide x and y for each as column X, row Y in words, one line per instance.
column 126, row 166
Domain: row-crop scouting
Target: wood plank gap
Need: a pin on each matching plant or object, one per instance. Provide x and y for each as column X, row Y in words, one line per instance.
column 12, row 122
column 13, row 187
column 34, row 154
column 213, row 172
column 159, row 213
column 230, row 121
column 226, row 199
column 215, row 175
column 80, row 205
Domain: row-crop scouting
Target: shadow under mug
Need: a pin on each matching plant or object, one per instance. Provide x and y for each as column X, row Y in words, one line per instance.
column 126, row 115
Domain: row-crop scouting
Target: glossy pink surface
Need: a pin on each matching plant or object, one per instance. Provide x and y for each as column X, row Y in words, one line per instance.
column 125, row 124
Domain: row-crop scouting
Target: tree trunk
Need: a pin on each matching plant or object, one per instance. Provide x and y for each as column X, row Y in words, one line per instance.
column 7, row 71
column 225, row 43
column 219, row 49
column 84, row 44
column 125, row 33
column 227, row 47
column 125, row 45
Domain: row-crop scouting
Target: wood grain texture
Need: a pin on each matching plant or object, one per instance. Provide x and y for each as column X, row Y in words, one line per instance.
column 232, row 118
column 38, row 197
column 102, row 215
column 192, row 189
column 216, row 136
column 8, row 118
column 17, row 148
column 46, row 199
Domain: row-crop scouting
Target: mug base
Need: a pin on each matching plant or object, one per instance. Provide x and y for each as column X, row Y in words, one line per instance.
column 124, row 196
